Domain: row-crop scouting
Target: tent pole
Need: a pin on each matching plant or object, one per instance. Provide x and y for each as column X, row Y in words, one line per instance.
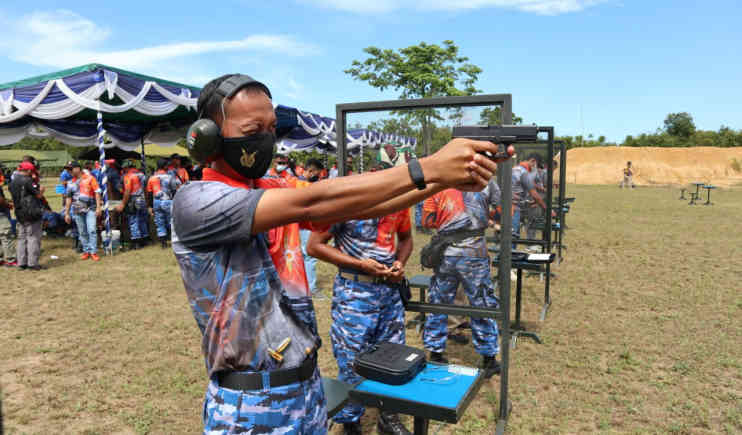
column 144, row 158
column 107, row 245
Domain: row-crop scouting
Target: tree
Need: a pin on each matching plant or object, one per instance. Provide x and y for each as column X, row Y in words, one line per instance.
column 680, row 125
column 493, row 116
column 419, row 71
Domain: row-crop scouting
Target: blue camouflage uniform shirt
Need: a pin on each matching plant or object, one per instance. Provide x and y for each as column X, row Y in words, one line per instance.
column 232, row 285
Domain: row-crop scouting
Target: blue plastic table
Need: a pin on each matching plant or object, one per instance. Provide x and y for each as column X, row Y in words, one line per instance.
column 440, row 392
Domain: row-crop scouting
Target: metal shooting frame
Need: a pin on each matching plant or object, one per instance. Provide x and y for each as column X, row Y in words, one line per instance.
column 561, row 200
column 546, row 241
column 502, row 314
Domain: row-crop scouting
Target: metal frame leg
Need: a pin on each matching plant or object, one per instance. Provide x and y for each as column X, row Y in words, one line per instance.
column 682, row 194
column 517, row 329
column 502, row 422
column 421, row 426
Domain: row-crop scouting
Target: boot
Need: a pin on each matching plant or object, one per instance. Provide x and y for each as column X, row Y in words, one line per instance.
column 390, row 424
column 437, row 357
column 352, row 428
column 490, row 366
column 163, row 242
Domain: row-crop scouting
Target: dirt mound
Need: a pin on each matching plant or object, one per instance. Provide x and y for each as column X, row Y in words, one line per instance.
column 655, row 166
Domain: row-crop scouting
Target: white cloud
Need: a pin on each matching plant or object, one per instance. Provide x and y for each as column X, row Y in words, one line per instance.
column 542, row 7
column 63, row 39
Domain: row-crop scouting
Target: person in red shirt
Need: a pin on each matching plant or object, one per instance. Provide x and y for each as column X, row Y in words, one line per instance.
column 84, row 205
column 176, row 169
column 246, row 287
column 366, row 306
column 161, row 188
column 463, row 216
column 136, row 212
column 281, row 168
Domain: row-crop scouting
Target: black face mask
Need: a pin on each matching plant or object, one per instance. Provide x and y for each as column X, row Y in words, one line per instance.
column 250, row 156
column 314, row 178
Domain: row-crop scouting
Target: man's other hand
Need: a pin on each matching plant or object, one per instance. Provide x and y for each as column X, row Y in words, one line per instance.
column 373, row 267
column 396, row 273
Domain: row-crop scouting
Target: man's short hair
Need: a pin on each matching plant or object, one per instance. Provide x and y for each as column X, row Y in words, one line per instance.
column 210, row 106
column 536, row 157
column 316, row 163
column 162, row 163
column 628, row 163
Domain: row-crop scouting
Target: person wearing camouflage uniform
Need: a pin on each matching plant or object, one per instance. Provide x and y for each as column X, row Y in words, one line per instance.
column 246, row 287
column 136, row 213
column 465, row 262
column 366, row 305
column 534, row 213
column 161, row 188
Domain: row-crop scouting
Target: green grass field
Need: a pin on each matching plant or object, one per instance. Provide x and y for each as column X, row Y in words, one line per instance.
column 644, row 335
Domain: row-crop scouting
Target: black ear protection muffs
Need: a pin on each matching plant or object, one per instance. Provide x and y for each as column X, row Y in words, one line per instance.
column 204, row 139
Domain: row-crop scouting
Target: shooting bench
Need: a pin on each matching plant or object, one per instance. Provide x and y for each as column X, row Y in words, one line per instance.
column 534, row 262
column 440, row 392
column 695, row 196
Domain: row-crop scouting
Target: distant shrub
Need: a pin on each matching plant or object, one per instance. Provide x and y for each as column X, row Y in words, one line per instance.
column 736, row 165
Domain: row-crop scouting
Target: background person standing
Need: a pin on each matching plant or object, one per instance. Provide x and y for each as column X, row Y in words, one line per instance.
column 7, row 242
column 134, row 205
column 82, row 194
column 27, row 200
column 463, row 216
column 313, row 170
column 628, row 177
column 366, row 305
column 161, row 188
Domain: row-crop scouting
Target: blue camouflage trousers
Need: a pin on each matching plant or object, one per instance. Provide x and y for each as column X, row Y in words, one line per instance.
column 363, row 314
column 163, row 211
column 474, row 274
column 138, row 227
column 297, row 408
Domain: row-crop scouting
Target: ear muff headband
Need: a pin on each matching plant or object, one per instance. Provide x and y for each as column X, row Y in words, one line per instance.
column 204, row 140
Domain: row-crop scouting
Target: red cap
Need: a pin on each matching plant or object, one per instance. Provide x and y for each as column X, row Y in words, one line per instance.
column 26, row 166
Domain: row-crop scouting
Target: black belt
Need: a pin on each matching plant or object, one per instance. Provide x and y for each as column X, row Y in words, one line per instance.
column 277, row 378
column 354, row 275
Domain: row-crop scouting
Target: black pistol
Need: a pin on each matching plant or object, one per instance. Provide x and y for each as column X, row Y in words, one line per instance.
column 504, row 135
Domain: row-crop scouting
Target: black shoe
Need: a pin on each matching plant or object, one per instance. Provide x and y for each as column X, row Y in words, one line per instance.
column 490, row 366
column 163, row 242
column 390, row 424
column 35, row 268
column 352, row 428
column 458, row 338
column 23, row 267
column 437, row 357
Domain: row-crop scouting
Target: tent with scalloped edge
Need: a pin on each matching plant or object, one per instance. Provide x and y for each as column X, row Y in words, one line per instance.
column 138, row 109
column 66, row 104
column 97, row 105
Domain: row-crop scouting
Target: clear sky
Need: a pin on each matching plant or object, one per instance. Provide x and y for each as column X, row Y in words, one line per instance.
column 606, row 67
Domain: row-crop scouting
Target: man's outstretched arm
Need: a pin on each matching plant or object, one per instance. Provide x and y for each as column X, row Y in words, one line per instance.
column 458, row 164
